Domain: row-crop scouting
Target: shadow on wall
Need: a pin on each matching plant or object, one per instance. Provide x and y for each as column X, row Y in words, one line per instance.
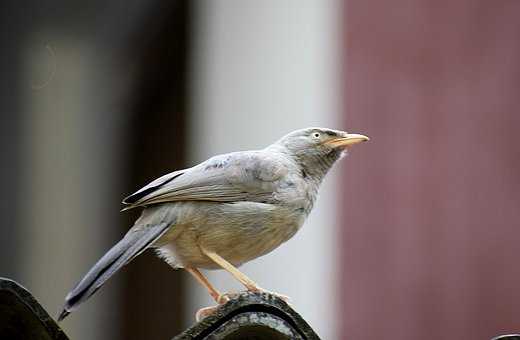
column 113, row 89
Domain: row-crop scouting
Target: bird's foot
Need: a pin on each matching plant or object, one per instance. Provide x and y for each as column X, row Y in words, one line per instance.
column 205, row 312
column 223, row 298
column 220, row 299
column 261, row 290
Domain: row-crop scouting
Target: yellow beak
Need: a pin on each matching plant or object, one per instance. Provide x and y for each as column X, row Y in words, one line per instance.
column 348, row 140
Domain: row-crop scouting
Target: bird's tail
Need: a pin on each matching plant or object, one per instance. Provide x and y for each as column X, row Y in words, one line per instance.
column 134, row 243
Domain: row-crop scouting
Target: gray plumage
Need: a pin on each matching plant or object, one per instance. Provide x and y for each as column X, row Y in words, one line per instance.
column 240, row 205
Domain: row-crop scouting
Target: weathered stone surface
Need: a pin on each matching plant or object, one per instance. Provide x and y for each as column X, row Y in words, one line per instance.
column 507, row 337
column 22, row 317
column 248, row 316
column 251, row 316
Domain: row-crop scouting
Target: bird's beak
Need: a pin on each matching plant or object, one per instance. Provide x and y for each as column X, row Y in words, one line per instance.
column 348, row 140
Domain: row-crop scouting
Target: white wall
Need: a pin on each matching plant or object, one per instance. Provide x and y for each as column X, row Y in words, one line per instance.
column 261, row 69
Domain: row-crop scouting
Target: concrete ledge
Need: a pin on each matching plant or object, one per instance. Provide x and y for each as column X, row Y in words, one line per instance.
column 22, row 317
column 248, row 316
column 251, row 316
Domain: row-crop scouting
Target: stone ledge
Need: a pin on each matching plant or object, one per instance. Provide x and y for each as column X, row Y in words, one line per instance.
column 251, row 316
column 22, row 317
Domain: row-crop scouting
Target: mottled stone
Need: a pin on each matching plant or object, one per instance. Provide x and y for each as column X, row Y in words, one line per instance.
column 22, row 317
column 251, row 316
column 247, row 316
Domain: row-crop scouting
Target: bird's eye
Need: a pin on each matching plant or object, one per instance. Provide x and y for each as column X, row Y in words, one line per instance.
column 316, row 135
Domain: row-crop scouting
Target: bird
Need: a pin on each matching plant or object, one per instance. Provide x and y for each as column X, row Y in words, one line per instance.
column 224, row 212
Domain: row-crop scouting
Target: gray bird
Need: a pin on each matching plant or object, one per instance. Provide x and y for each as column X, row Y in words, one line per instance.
column 225, row 211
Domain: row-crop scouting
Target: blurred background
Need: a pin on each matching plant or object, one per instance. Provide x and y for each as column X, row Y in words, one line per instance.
column 415, row 234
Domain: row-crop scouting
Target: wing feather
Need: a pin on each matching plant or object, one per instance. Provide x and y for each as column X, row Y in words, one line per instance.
column 151, row 187
column 239, row 176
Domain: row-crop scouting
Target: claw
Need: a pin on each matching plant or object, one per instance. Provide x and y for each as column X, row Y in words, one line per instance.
column 226, row 297
column 283, row 297
column 261, row 290
column 205, row 312
column 223, row 298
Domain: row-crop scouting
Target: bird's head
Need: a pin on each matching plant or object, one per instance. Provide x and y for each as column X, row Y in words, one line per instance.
column 316, row 149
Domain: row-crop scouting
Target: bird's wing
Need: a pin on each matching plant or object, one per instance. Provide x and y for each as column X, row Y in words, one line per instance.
column 238, row 176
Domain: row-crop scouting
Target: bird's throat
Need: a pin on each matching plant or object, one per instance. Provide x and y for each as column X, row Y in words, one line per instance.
column 316, row 166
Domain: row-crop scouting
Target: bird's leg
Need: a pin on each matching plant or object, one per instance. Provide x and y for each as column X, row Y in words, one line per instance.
column 237, row 274
column 215, row 294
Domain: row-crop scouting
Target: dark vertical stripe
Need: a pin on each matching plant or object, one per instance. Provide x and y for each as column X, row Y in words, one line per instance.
column 153, row 297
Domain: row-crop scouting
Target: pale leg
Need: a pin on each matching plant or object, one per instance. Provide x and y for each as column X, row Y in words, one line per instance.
column 215, row 294
column 237, row 274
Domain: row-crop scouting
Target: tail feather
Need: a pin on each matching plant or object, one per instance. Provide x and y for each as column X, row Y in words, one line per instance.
column 134, row 243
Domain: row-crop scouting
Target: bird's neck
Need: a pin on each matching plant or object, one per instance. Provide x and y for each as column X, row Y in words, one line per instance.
column 315, row 167
column 313, row 172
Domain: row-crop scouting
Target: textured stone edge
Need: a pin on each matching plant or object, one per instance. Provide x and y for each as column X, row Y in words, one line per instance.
column 249, row 302
column 32, row 304
column 507, row 337
column 262, row 319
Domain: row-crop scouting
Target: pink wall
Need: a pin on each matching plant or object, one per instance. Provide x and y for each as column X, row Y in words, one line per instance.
column 430, row 242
